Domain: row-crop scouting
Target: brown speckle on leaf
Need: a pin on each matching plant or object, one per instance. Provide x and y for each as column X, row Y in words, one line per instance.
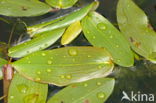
column 24, row 8
column 86, row 101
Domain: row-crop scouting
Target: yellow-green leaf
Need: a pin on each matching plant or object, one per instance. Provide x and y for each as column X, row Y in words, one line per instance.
column 39, row 43
column 22, row 90
column 92, row 91
column 101, row 33
column 61, row 22
column 64, row 66
column 134, row 23
column 20, row 8
column 71, row 33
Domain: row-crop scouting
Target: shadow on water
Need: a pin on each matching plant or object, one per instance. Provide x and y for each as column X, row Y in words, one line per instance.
column 140, row 78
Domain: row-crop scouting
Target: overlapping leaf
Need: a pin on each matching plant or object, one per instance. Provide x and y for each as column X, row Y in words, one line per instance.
column 71, row 33
column 100, row 32
column 133, row 22
column 92, row 91
column 25, row 91
column 61, row 3
column 65, row 65
column 2, row 63
column 61, row 22
column 39, row 43
column 23, row 8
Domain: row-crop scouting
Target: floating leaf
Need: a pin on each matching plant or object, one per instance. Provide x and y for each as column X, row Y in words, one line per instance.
column 100, row 32
column 39, row 43
column 133, row 22
column 61, row 3
column 92, row 91
column 71, row 33
column 25, row 91
column 22, row 8
column 64, row 66
column 61, row 22
column 2, row 63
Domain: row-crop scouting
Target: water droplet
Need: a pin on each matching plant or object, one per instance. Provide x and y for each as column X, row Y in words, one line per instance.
column 64, row 56
column 51, row 57
column 29, row 62
column 73, row 60
column 100, row 95
column 118, row 60
column 101, row 26
column 111, row 36
column 31, row 98
column 28, row 51
column 45, row 45
column 94, row 37
column 38, row 79
column 100, row 67
column 89, row 56
column 11, row 97
column 38, row 72
column 49, row 62
column 22, row 88
column 98, row 83
column 68, row 76
column 43, row 54
column 88, row 32
column 85, row 84
column 48, row 70
column 117, row 46
column 72, row 52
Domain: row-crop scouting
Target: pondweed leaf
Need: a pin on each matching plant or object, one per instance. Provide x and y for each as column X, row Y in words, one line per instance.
column 133, row 22
column 64, row 66
column 71, row 33
column 61, row 3
column 101, row 33
column 92, row 91
column 25, row 91
column 61, row 22
column 2, row 63
column 39, row 43
column 20, row 8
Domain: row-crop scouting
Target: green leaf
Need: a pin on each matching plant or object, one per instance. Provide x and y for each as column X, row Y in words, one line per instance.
column 39, row 43
column 71, row 33
column 92, row 91
column 61, row 3
column 101, row 33
column 2, row 63
column 61, row 22
column 25, row 91
column 22, row 8
column 133, row 22
column 64, row 66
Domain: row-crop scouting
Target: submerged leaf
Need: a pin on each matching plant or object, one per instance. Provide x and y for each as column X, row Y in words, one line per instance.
column 133, row 22
column 92, row 91
column 61, row 22
column 64, row 66
column 100, row 32
column 61, row 3
column 39, row 43
column 22, row 8
column 2, row 63
column 71, row 33
column 25, row 91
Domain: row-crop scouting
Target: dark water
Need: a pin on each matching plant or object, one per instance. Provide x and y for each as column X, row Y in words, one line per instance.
column 140, row 78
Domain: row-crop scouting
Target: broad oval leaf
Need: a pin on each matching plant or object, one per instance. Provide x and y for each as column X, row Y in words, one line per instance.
column 39, row 43
column 61, row 3
column 100, row 32
column 25, row 91
column 20, row 8
column 92, row 91
column 2, row 63
column 71, row 33
column 133, row 22
column 61, row 22
column 64, row 66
